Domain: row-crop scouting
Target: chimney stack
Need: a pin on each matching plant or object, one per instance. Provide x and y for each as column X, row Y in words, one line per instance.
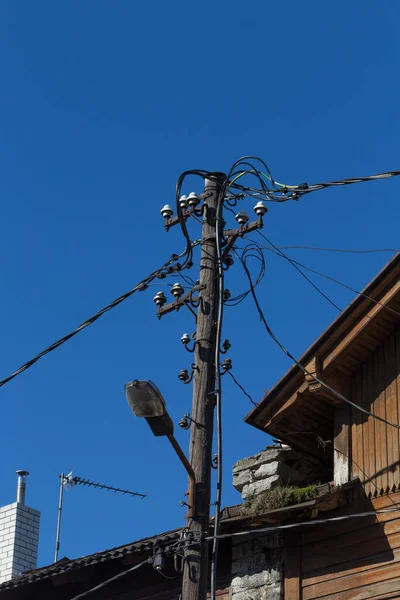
column 21, row 487
column 19, row 534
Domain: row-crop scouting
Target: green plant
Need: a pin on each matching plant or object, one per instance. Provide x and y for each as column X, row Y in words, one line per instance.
column 283, row 495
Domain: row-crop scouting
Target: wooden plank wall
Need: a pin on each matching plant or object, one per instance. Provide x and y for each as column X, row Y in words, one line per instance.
column 375, row 446
column 352, row 560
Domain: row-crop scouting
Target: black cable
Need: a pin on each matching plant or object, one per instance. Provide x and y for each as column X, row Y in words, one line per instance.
column 282, row 193
column 242, row 388
column 395, row 250
column 295, row 266
column 189, row 280
column 218, row 390
column 271, row 529
column 352, row 180
column 251, row 250
column 163, row 271
column 344, row 285
column 115, row 578
column 296, row 192
column 218, row 386
column 282, row 347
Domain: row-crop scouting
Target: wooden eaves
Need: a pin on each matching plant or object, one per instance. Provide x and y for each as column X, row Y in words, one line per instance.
column 298, row 407
column 328, row 498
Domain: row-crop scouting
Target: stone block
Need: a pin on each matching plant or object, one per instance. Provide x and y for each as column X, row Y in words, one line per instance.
column 257, row 487
column 277, row 464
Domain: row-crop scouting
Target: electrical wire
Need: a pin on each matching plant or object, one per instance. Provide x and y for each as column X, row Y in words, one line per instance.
column 344, row 285
column 319, row 186
column 251, row 250
column 162, row 272
column 295, row 266
column 282, row 192
column 271, row 529
column 282, row 347
column 100, row 586
column 368, row 251
column 242, row 388
column 218, row 386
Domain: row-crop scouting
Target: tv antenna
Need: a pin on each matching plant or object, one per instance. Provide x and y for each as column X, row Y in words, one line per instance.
column 68, row 482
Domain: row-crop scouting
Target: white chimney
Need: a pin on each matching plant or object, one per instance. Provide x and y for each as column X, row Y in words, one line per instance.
column 19, row 534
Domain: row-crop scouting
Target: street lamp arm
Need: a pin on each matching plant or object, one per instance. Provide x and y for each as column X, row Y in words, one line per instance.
column 190, row 472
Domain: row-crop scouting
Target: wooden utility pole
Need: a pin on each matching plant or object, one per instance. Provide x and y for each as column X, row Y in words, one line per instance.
column 196, row 568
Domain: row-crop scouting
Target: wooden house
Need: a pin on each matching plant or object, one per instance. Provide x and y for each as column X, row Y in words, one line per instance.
column 358, row 356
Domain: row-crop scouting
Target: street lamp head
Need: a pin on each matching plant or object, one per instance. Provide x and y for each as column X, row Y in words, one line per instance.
column 145, row 400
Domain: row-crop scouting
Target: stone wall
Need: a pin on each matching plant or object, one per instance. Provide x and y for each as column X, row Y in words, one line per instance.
column 276, row 465
column 257, row 567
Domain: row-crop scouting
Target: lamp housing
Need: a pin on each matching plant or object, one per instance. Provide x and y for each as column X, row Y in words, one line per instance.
column 145, row 400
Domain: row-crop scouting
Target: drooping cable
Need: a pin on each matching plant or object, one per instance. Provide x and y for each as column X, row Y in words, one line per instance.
column 218, row 390
column 162, row 271
column 251, row 250
column 298, row 269
column 102, row 585
column 344, row 250
column 241, row 388
column 273, row 528
column 278, row 192
column 218, row 387
column 286, row 351
column 344, row 285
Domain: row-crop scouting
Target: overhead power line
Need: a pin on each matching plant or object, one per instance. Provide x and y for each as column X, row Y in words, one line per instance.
column 295, row 266
column 241, row 388
column 344, row 285
column 279, row 192
column 102, row 585
column 346, row 250
column 273, row 528
column 162, row 272
column 286, row 351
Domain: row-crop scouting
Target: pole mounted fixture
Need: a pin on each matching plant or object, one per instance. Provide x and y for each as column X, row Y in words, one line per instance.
column 226, row 345
column 242, row 217
column 260, row 209
column 188, row 299
column 183, row 202
column 166, row 211
column 193, row 200
column 146, row 400
column 226, row 365
column 177, row 291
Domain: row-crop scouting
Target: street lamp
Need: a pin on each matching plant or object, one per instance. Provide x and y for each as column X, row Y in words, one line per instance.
column 145, row 400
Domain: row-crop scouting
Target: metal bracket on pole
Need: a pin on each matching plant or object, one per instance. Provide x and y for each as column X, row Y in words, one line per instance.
column 187, row 299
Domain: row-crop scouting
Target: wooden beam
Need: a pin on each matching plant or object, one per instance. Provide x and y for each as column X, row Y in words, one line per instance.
column 361, row 326
column 292, row 566
column 342, row 449
column 314, row 368
column 280, row 413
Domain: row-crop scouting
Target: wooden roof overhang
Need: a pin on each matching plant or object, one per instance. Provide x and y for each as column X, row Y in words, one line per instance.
column 298, row 409
column 329, row 497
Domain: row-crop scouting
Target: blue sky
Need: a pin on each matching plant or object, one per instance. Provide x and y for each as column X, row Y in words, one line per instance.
column 103, row 105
